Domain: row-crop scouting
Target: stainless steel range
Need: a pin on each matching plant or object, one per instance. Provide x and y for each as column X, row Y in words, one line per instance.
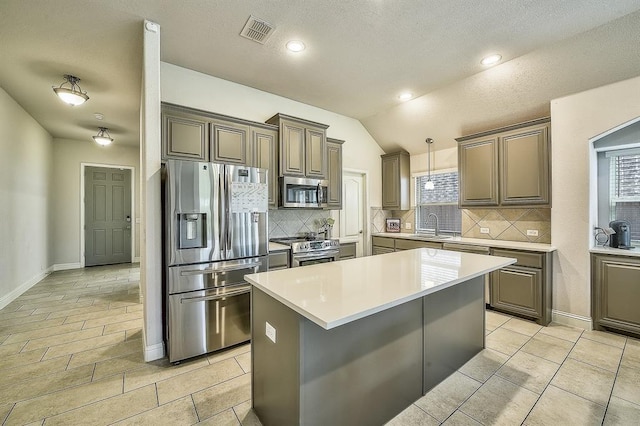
column 310, row 251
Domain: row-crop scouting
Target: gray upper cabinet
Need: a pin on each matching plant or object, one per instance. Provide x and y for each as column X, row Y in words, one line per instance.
column 525, row 166
column 303, row 147
column 185, row 136
column 230, row 142
column 506, row 167
column 334, row 173
column 264, row 146
column 395, row 181
column 478, row 172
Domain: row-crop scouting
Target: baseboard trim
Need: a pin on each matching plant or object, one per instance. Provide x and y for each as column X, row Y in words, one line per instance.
column 571, row 320
column 154, row 352
column 66, row 266
column 15, row 293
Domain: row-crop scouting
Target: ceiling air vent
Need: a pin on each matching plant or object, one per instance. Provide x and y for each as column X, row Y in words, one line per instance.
column 257, row 30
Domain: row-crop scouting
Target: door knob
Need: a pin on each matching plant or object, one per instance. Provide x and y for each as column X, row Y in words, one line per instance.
column 360, row 231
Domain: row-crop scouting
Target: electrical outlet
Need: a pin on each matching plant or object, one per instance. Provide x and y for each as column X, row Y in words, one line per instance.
column 407, row 225
column 484, row 230
column 270, row 331
column 532, row 232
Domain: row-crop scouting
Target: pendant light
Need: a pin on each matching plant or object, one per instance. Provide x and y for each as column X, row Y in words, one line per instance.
column 101, row 138
column 429, row 184
column 73, row 95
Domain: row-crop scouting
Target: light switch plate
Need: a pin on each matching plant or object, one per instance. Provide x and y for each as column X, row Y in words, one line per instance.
column 407, row 225
column 270, row 331
column 532, row 232
column 484, row 230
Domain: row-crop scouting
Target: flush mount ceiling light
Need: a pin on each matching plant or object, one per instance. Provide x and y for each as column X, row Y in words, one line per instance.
column 295, row 46
column 491, row 60
column 429, row 184
column 405, row 96
column 103, row 137
column 72, row 95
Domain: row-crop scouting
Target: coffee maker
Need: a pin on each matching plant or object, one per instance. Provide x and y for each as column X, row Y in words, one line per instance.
column 622, row 237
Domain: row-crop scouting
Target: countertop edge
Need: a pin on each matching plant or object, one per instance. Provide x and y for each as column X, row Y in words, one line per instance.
column 375, row 309
column 514, row 245
column 610, row 251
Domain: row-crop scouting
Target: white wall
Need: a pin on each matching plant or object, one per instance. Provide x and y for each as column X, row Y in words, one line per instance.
column 574, row 120
column 66, row 197
column 25, row 176
column 151, row 242
column 193, row 89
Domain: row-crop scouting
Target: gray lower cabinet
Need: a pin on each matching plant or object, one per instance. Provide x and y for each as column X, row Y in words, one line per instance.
column 615, row 293
column 185, row 136
column 402, row 244
column 334, row 174
column 523, row 288
column 347, row 251
column 279, row 260
column 264, row 148
column 396, row 181
column 381, row 245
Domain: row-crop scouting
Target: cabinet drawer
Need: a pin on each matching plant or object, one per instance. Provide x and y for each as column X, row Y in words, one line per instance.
column 383, row 242
column 278, row 260
column 533, row 260
column 412, row 244
column 347, row 251
column 381, row 250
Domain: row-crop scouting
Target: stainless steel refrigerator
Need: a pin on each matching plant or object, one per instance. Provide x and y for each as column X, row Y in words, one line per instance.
column 215, row 232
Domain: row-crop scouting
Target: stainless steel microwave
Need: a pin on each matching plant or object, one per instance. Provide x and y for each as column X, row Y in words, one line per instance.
column 302, row 193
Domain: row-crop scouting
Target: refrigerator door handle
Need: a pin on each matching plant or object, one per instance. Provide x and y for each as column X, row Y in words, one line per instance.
column 237, row 292
column 227, row 185
column 222, row 223
column 253, row 265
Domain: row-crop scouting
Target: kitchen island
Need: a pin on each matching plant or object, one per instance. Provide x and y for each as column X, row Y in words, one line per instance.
column 358, row 341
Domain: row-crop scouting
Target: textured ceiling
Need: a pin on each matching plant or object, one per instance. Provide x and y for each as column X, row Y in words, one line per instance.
column 360, row 55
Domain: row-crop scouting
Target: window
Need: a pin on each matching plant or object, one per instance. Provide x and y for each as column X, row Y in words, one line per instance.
column 442, row 201
column 624, row 189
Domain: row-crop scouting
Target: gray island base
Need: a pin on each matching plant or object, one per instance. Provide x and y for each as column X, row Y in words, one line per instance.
column 364, row 370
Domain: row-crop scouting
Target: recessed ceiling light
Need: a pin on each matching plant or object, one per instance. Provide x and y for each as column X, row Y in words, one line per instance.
column 405, row 96
column 491, row 59
column 98, row 116
column 295, row 46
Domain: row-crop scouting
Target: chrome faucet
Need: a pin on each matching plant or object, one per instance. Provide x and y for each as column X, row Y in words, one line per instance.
column 436, row 218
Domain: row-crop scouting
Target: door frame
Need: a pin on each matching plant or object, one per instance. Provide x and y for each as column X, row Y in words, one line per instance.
column 82, row 207
column 366, row 233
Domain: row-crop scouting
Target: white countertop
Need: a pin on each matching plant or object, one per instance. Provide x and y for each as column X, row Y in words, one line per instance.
column 615, row 251
column 336, row 293
column 277, row 247
column 515, row 245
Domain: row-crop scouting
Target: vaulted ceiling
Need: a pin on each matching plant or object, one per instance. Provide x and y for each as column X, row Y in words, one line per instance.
column 360, row 55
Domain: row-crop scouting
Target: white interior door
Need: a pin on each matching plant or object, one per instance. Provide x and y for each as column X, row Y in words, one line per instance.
column 352, row 214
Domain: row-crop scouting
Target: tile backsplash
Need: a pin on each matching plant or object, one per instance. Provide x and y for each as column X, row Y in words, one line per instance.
column 508, row 224
column 503, row 224
column 291, row 223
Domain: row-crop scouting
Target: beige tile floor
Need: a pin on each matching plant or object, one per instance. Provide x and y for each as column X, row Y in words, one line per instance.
column 71, row 353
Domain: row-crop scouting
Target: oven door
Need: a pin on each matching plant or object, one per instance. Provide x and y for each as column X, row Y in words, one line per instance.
column 313, row 258
column 208, row 320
